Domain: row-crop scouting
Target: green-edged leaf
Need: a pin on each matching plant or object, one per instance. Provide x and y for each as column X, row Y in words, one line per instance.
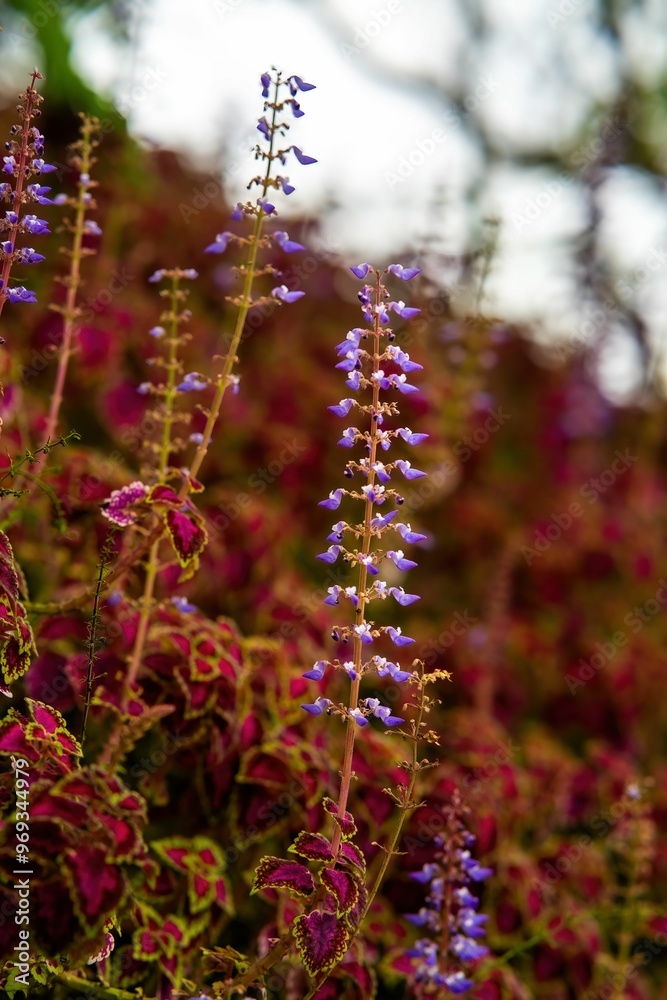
column 274, row 873
column 343, row 887
column 322, row 940
column 313, row 846
column 348, row 827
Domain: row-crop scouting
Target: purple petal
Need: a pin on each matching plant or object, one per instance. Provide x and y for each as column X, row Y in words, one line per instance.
column 303, row 159
column 361, row 270
column 404, row 273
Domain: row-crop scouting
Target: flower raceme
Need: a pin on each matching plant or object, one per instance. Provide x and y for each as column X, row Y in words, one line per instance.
column 368, row 363
column 19, row 187
column 450, row 912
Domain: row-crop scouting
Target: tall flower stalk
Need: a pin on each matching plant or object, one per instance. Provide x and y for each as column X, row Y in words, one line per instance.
column 272, row 130
column 366, row 372
column 23, row 163
column 82, row 160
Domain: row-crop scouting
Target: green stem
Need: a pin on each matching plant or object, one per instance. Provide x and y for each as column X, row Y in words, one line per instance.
column 76, row 254
column 346, row 772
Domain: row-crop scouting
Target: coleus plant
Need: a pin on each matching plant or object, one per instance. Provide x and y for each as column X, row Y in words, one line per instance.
column 167, row 647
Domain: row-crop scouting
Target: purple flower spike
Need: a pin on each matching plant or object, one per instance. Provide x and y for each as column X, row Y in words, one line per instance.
column 303, row 159
column 282, row 292
column 404, row 273
column 399, row 561
column 361, row 270
column 397, row 638
column 407, row 470
column 286, row 244
column 333, row 500
column 317, row 673
column 319, row 705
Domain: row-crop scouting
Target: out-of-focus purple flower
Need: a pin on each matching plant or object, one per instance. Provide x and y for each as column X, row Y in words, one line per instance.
column 303, row 159
column 91, row 228
column 183, row 605
column 404, row 273
column 219, row 245
column 286, row 244
column 193, row 382
column 156, row 331
column 361, row 270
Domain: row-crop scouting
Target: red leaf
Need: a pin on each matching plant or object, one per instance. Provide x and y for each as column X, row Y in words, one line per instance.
column 313, row 846
column 161, row 494
column 351, row 854
column 322, row 940
column 187, row 536
column 346, row 822
column 274, row 873
column 343, row 887
column 97, row 887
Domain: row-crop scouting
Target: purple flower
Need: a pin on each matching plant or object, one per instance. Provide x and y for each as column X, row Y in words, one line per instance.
column 457, row 982
column 396, row 636
column 265, row 80
column 361, row 270
column 317, row 672
column 193, row 382
column 41, row 167
column 369, row 562
column 404, row 273
column 343, row 408
column 283, row 182
column 428, row 871
column 283, row 293
column 470, row 922
column 156, row 331
column 374, row 493
column 358, row 716
column 381, row 521
column 91, row 228
column 337, row 531
column 36, row 227
column 117, row 507
column 303, row 159
column 36, row 192
column 218, row 246
column 385, row 668
column 364, row 633
column 353, row 381
column 183, row 605
column 158, row 275
column 402, row 359
column 21, row 294
column 333, row 500
column 28, row 256
column 405, row 312
column 400, row 595
column 319, row 705
column 399, row 561
column 399, row 382
column 407, row 470
column 296, row 83
column 296, row 107
column 466, row 949
column 408, row 535
column 349, row 437
column 409, row 437
column 263, row 127
column 331, row 554
column 382, row 712
column 286, row 244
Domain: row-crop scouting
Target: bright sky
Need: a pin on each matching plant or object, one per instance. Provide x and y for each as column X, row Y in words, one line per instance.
column 395, row 164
